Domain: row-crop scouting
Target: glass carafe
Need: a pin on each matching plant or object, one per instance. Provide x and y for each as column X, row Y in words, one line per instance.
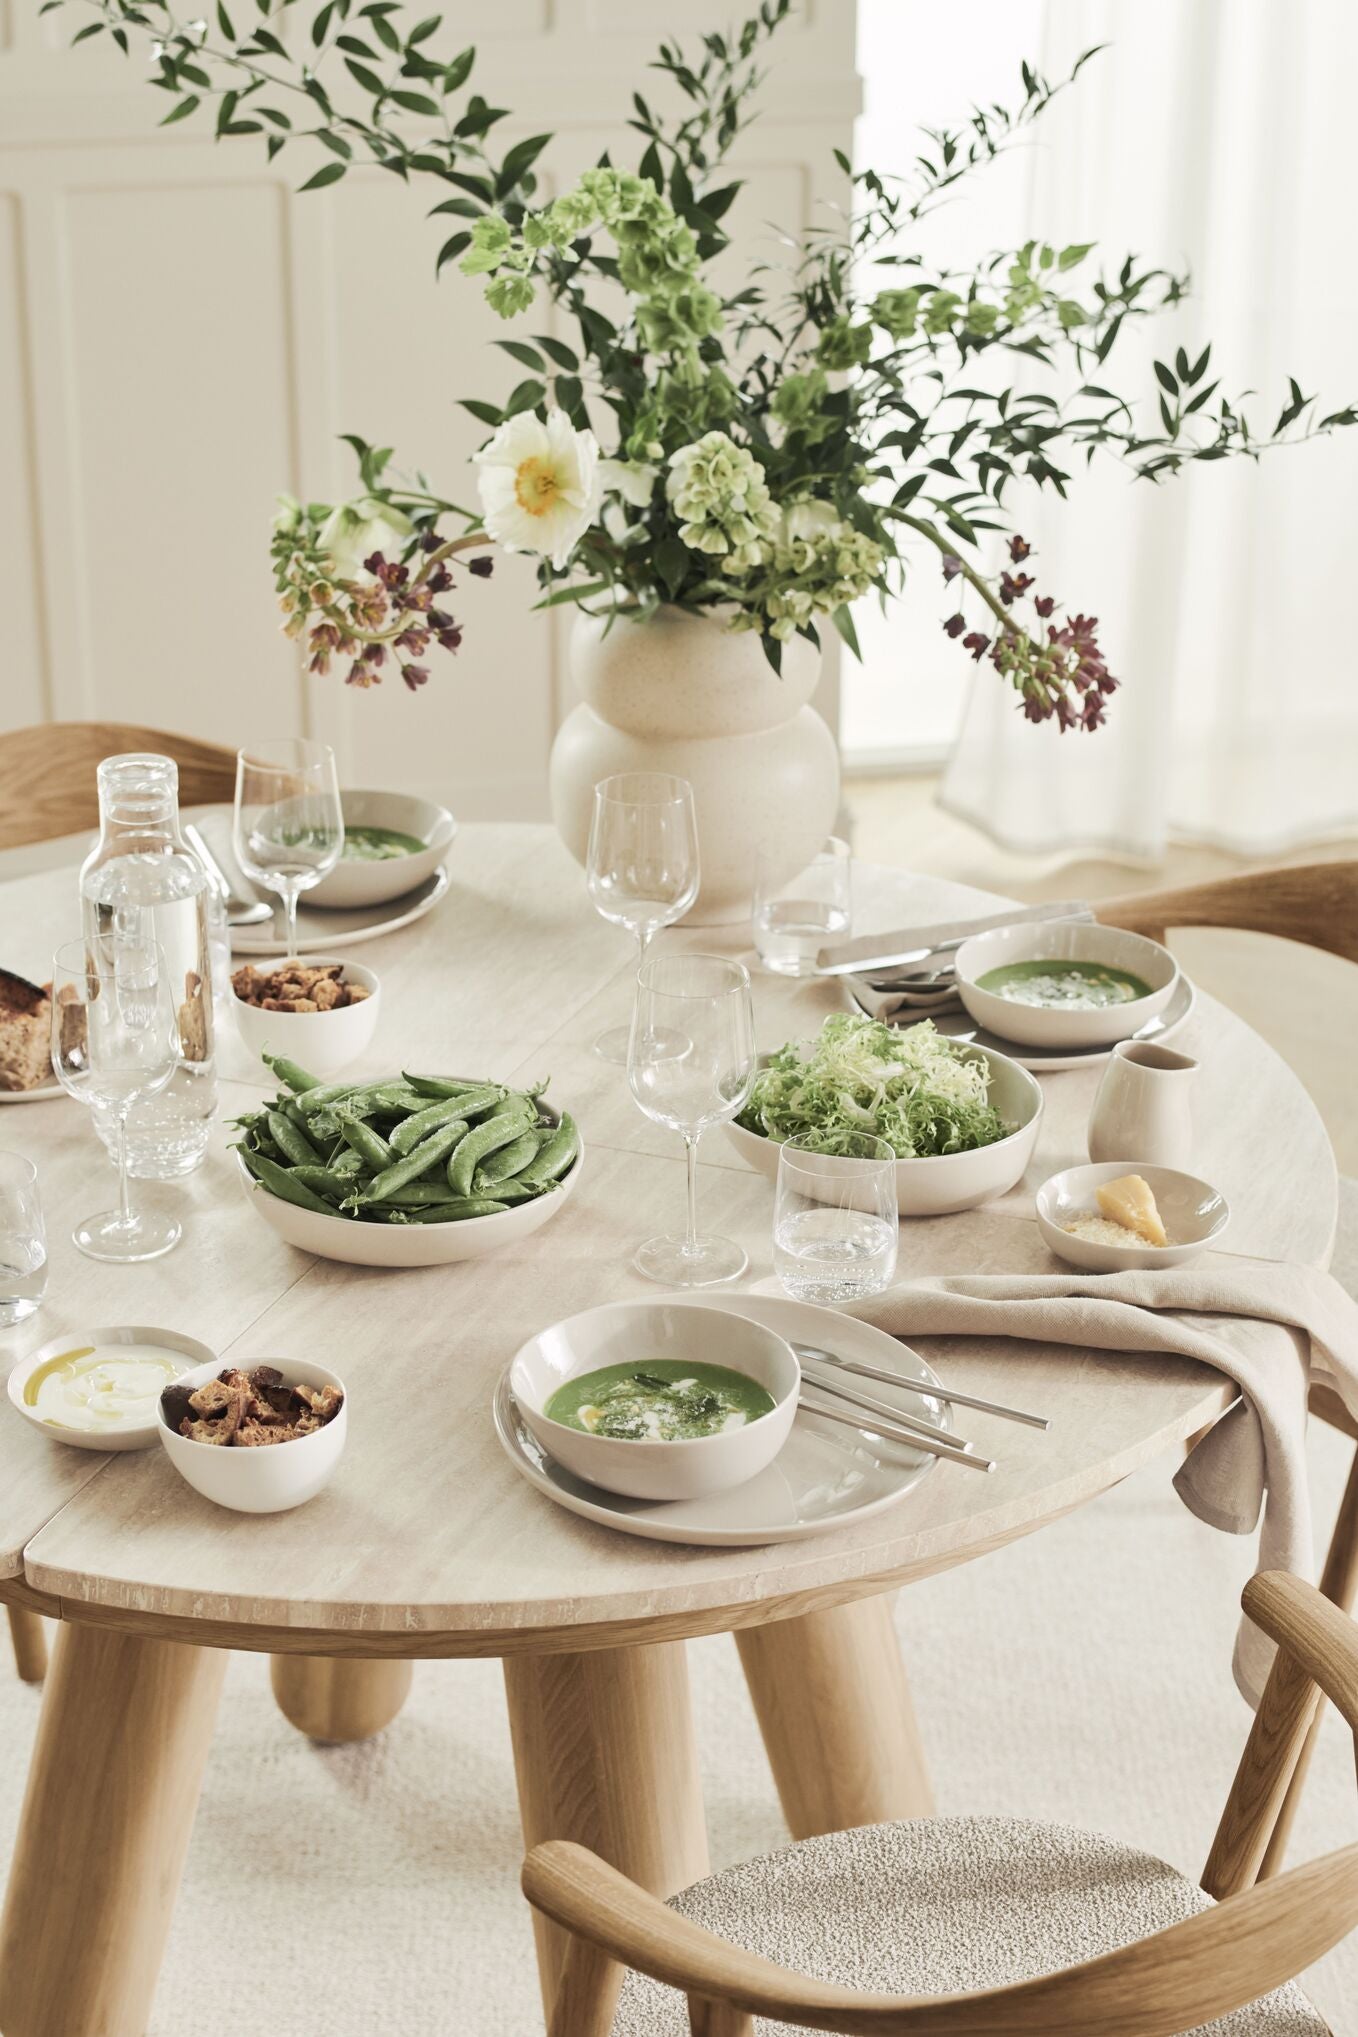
column 141, row 865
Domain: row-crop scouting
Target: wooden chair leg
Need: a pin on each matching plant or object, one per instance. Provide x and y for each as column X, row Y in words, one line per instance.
column 717, row 2019
column 587, row 1993
column 1339, row 1581
column 30, row 1643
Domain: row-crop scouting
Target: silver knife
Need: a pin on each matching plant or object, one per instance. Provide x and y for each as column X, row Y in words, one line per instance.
column 240, row 912
column 917, row 944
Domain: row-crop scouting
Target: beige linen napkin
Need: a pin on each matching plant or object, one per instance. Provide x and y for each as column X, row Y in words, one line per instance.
column 1271, row 1326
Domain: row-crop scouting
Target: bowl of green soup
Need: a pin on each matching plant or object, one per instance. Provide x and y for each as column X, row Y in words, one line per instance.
column 658, row 1400
column 393, row 842
column 1064, row 983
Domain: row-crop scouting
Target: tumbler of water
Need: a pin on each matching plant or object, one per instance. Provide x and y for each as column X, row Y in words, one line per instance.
column 796, row 916
column 23, row 1241
column 834, row 1223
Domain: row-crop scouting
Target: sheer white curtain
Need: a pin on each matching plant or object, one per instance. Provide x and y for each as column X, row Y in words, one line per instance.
column 1217, row 133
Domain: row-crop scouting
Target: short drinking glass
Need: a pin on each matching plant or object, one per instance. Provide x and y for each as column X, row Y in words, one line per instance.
column 796, row 916
column 115, row 1041
column 835, row 1225
column 691, row 1065
column 288, row 829
column 642, row 864
column 23, row 1242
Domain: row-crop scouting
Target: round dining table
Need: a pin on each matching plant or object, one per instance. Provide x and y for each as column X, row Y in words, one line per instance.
column 427, row 1543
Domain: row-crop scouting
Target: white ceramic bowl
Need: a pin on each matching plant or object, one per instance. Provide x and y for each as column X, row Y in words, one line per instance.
column 949, row 1181
column 1195, row 1215
column 323, row 1042
column 138, row 1436
column 268, row 1480
column 622, row 1331
column 1064, row 941
column 355, row 883
column 360, row 1244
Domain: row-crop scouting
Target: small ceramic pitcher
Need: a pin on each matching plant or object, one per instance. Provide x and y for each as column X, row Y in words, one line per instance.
column 1142, row 1110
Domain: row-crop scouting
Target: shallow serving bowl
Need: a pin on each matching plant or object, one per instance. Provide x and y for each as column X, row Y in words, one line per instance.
column 323, row 1042
column 268, row 1480
column 621, row 1331
column 133, row 1436
column 1195, row 1215
column 949, row 1181
column 1064, row 941
column 355, row 883
column 361, row 1244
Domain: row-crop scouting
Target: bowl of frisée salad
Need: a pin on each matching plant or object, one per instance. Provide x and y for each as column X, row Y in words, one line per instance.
column 962, row 1119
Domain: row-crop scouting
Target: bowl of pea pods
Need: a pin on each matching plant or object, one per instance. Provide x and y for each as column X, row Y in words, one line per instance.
column 411, row 1170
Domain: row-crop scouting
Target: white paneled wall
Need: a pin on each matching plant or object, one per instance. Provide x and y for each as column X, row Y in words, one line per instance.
column 182, row 336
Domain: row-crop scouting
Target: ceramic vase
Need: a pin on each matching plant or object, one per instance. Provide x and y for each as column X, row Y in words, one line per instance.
column 681, row 693
column 1141, row 1112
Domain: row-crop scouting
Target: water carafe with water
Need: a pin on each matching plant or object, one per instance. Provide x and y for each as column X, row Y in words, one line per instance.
column 141, row 864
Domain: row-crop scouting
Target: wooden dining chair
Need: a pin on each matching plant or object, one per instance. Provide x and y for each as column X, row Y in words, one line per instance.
column 1316, row 904
column 985, row 1927
column 47, row 782
column 29, row 1643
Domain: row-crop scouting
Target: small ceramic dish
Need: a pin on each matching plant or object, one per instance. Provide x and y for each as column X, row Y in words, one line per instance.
column 123, row 1435
column 261, row 1481
column 947, row 1181
column 355, row 881
column 623, row 1331
column 363, row 1244
column 1035, row 1025
column 1195, row 1215
column 323, row 1042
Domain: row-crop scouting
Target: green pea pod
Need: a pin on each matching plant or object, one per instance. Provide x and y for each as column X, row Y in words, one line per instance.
column 509, row 1192
column 455, row 1210
column 346, row 1162
column 399, row 1098
column 368, row 1144
column 556, row 1156
column 324, row 1180
column 488, row 1138
column 415, row 1193
column 444, row 1085
column 287, row 1071
column 510, row 1160
column 324, row 1094
column 426, row 1155
column 291, row 1143
column 280, row 1181
column 322, row 1124
column 411, row 1130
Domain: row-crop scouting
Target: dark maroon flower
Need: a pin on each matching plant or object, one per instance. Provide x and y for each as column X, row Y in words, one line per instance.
column 1044, row 604
column 414, row 675
column 952, row 565
column 1019, row 549
column 955, row 624
column 1012, row 585
column 976, row 644
column 440, row 580
column 483, row 565
column 451, row 638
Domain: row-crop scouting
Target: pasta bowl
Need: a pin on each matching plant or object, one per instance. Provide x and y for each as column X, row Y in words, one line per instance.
column 1057, row 942
column 936, row 1185
column 355, row 881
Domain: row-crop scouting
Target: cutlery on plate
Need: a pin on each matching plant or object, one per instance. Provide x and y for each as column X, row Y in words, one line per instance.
column 896, row 1432
column 878, row 1372
column 915, row 1423
column 240, row 912
column 918, row 944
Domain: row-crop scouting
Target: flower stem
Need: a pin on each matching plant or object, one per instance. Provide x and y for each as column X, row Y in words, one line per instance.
column 969, row 573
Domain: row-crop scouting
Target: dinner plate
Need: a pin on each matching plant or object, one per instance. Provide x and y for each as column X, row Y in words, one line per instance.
column 39, row 1095
column 959, row 1025
column 321, row 930
column 826, row 1476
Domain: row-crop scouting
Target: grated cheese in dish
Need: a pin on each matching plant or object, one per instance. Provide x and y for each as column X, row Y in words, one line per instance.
column 1098, row 1230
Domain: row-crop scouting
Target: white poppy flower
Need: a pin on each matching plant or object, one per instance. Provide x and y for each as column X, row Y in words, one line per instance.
column 634, row 480
column 809, row 520
column 539, row 485
column 353, row 530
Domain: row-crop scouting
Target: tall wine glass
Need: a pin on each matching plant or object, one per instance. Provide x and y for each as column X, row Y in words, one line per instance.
column 691, row 1064
column 115, row 1041
column 642, row 866
column 288, row 830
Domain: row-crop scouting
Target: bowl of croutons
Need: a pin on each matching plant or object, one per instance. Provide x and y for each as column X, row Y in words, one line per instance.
column 258, row 1440
column 318, row 1012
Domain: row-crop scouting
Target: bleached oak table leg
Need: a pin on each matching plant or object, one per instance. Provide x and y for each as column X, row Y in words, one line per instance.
column 834, row 1706
column 604, row 1754
column 334, row 1698
column 30, row 1643
column 122, row 1743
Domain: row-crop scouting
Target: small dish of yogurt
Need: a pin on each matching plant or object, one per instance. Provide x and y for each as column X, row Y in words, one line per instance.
column 99, row 1389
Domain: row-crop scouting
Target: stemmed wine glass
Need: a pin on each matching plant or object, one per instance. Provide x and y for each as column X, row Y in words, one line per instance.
column 642, row 865
column 115, row 1041
column 691, row 1064
column 288, row 830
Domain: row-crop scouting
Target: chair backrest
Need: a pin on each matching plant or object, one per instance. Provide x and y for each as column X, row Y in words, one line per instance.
column 47, row 784
column 1316, row 903
column 1260, row 1935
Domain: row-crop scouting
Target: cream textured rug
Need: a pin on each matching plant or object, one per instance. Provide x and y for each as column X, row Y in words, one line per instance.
column 1082, row 1675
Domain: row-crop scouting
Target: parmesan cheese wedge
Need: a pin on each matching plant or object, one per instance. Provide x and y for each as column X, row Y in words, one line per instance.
column 1129, row 1201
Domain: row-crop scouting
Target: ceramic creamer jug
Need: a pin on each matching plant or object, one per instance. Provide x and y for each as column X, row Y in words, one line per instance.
column 1143, row 1108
